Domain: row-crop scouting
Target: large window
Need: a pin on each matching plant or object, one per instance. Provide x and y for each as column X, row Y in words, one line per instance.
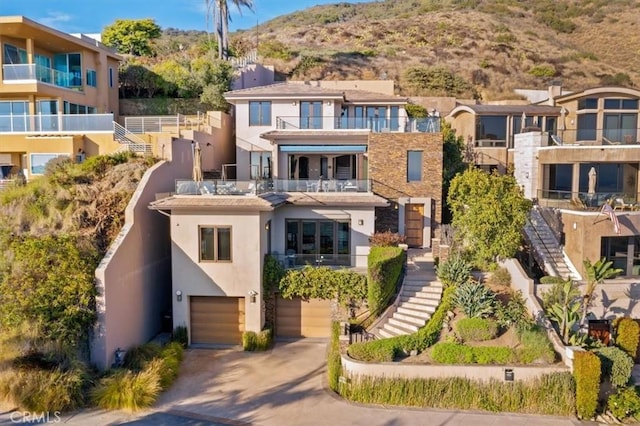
column 92, row 78
column 624, row 252
column 43, row 68
column 68, row 69
column 491, row 128
column 260, row 165
column 14, row 55
column 614, row 103
column 587, row 127
column 39, row 162
column 215, row 243
column 260, row 113
column 311, row 115
column 318, row 242
column 414, row 166
column 377, row 118
column 620, row 127
column 13, row 116
column 557, row 181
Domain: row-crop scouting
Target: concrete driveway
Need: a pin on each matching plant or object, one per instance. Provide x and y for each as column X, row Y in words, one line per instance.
column 284, row 386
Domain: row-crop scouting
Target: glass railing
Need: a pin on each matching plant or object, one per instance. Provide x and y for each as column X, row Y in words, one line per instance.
column 586, row 201
column 321, row 185
column 609, row 136
column 221, row 187
column 56, row 123
column 377, row 125
column 22, row 72
column 293, row 260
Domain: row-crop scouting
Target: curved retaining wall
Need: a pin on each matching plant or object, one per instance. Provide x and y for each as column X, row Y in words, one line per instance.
column 425, row 371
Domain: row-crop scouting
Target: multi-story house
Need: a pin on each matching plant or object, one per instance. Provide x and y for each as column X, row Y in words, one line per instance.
column 58, row 97
column 318, row 165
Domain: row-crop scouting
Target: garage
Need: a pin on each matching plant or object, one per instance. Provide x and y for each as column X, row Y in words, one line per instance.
column 297, row 318
column 217, row 320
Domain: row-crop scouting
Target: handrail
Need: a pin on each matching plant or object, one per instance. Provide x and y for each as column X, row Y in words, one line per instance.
column 133, row 142
column 548, row 258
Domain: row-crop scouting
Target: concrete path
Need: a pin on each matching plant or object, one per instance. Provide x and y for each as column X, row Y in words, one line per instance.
column 284, row 386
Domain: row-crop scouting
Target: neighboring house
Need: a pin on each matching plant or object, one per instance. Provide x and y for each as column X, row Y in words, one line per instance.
column 58, row 97
column 312, row 161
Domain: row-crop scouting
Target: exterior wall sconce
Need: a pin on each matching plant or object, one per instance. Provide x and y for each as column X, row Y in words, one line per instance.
column 178, row 295
column 328, row 102
column 267, row 226
column 294, row 103
column 396, row 206
column 252, row 296
column 361, row 222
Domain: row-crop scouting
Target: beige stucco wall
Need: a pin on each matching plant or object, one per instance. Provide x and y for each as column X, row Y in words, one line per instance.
column 233, row 279
column 133, row 279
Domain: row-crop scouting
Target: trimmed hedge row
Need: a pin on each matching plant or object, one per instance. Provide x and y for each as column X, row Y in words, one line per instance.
column 385, row 350
column 384, row 266
column 586, row 370
column 456, row 353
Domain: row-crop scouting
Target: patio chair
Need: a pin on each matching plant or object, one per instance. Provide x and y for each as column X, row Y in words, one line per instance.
column 618, row 203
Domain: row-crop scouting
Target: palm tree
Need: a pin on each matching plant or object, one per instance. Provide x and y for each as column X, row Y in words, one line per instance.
column 596, row 274
column 221, row 19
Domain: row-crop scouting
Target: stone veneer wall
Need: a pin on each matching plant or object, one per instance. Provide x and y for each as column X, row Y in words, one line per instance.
column 388, row 167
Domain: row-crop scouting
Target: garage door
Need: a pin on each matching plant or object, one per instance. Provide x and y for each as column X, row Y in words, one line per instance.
column 297, row 318
column 217, row 320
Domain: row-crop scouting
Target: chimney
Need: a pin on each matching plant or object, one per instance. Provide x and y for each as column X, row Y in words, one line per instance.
column 555, row 90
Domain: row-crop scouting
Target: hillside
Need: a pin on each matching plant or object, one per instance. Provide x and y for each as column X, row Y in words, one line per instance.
column 493, row 45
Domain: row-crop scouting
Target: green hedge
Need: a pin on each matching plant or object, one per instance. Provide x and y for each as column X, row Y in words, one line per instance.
column 384, row 270
column 586, row 370
column 334, row 362
column 627, row 336
column 616, row 365
column 456, row 353
column 385, row 350
column 476, row 329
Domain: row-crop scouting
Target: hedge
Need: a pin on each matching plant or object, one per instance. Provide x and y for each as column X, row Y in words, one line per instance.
column 252, row 341
column 456, row 353
column 385, row 350
column 385, row 267
column 334, row 361
column 616, row 365
column 476, row 329
column 627, row 336
column 586, row 370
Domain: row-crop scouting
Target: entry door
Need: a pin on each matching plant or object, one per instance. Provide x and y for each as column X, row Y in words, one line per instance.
column 414, row 224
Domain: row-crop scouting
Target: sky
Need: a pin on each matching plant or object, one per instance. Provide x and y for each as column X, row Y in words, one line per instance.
column 91, row 16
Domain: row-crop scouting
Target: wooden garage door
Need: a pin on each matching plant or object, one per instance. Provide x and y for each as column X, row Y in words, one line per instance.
column 217, row 320
column 297, row 318
column 414, row 224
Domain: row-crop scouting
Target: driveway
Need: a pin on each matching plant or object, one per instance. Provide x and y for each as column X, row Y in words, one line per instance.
column 283, row 386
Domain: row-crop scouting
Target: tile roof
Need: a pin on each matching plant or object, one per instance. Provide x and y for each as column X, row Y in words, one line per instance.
column 284, row 90
column 514, row 109
column 329, row 199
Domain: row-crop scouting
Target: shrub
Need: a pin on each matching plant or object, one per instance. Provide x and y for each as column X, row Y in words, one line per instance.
column 40, row 390
column 384, row 270
column 128, row 390
column 500, row 276
column 137, row 357
column 334, row 361
column 249, row 340
column 476, row 329
column 452, row 353
column 384, row 350
column 386, row 239
column 475, row 300
column 171, row 356
column 265, row 340
column 625, row 403
column 493, row 354
column 551, row 280
column 454, row 271
column 616, row 365
column 536, row 347
column 586, row 371
column 514, row 313
column 180, row 335
column 627, row 334
column 544, row 71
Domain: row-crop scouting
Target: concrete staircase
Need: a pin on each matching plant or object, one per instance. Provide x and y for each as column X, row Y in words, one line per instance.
column 546, row 248
column 418, row 299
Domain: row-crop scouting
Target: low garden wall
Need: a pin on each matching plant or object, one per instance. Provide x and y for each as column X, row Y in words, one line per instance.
column 353, row 368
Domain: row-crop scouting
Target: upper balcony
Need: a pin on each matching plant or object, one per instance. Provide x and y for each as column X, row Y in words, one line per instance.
column 606, row 136
column 257, row 187
column 589, row 201
column 32, row 73
column 57, row 123
column 377, row 125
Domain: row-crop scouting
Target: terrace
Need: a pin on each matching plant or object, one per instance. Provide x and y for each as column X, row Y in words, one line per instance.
column 56, row 123
column 257, row 187
column 22, row 73
column 397, row 124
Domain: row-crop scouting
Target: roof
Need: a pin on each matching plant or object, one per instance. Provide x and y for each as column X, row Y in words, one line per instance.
column 484, row 109
column 366, row 96
column 602, row 90
column 268, row 201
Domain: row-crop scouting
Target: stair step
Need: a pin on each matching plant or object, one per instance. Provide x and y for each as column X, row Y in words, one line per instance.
column 422, row 295
column 425, row 290
column 434, row 287
column 398, row 330
column 386, row 333
column 419, row 307
column 396, row 322
column 420, row 322
column 413, row 312
column 420, row 301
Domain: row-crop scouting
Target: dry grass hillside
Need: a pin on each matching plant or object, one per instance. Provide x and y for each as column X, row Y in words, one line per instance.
column 493, row 45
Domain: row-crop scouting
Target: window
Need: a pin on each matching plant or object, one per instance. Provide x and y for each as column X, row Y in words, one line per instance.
column 39, row 162
column 414, row 166
column 377, row 118
column 110, row 77
column 557, row 180
column 318, row 242
column 394, row 122
column 491, row 128
column 260, row 165
column 215, row 244
column 13, row 116
column 260, row 113
column 14, row 55
column 43, row 68
column 588, row 103
column 311, row 115
column 631, row 104
column 68, row 68
column 587, row 127
column 92, row 79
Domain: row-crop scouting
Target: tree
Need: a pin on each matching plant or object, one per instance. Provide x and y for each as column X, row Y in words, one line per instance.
column 596, row 274
column 452, row 162
column 131, row 36
column 489, row 212
column 221, row 18
column 214, row 78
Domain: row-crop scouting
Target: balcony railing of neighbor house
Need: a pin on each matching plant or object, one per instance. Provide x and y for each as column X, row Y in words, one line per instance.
column 56, row 123
column 293, row 260
column 608, row 136
column 255, row 187
column 377, row 125
column 34, row 72
column 164, row 123
column 586, row 201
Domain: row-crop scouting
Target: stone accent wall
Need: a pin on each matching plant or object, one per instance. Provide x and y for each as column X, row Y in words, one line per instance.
column 388, row 167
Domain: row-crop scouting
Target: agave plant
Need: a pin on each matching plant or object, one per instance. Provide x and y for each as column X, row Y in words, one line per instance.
column 475, row 300
column 454, row 271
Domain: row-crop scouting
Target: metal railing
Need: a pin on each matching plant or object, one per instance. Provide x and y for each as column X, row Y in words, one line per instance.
column 75, row 123
column 608, row 136
column 153, row 124
column 321, row 185
column 584, row 201
column 376, row 125
column 293, row 260
column 132, row 141
column 221, row 187
column 30, row 72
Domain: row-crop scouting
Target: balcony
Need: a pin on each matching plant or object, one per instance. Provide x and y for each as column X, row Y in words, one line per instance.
column 256, row 187
column 584, row 201
column 376, row 125
column 21, row 73
column 604, row 137
column 293, row 260
column 56, row 123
